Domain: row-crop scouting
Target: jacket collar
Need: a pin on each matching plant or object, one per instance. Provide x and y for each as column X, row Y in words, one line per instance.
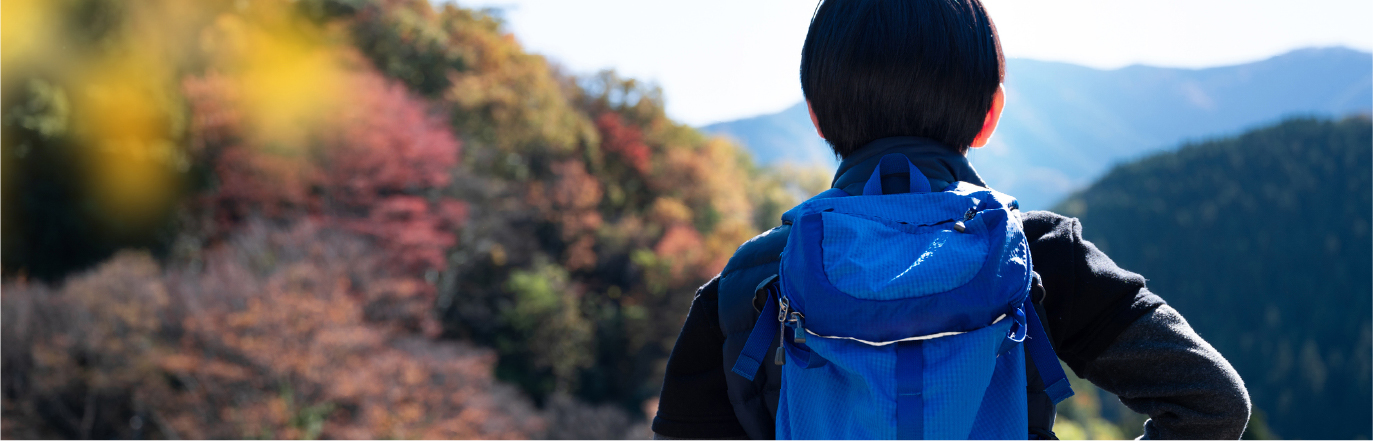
column 941, row 164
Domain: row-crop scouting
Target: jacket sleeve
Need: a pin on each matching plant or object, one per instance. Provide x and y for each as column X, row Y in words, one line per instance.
column 1107, row 326
column 1161, row 368
column 1089, row 300
column 694, row 402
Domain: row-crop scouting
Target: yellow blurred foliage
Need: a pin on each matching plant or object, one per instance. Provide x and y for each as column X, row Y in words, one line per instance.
column 290, row 73
column 127, row 117
column 123, row 78
column 574, row 221
column 24, row 26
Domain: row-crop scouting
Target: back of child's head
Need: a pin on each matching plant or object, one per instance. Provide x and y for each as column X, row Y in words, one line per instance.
column 878, row 68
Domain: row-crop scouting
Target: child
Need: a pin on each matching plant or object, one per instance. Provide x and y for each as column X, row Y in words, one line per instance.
column 922, row 78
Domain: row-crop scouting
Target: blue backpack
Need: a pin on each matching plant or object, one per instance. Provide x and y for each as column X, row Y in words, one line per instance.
column 899, row 314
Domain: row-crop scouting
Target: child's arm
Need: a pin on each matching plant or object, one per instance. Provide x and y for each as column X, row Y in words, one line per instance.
column 1112, row 331
column 1160, row 368
column 694, row 402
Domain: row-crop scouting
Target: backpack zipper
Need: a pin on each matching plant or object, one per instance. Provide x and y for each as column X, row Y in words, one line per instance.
column 783, row 306
column 797, row 320
column 958, row 224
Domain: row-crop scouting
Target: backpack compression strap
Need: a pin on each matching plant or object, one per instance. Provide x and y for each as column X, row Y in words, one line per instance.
column 1046, row 361
column 756, row 348
column 910, row 400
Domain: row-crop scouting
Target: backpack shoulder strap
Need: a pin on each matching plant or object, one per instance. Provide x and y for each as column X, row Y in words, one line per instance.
column 1042, row 353
column 754, row 401
column 762, row 336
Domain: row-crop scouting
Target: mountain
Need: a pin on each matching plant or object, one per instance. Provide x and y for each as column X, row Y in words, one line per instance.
column 1064, row 124
column 786, row 136
column 1262, row 242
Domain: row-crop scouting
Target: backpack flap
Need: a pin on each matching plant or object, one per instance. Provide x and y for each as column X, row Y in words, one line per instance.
column 888, row 267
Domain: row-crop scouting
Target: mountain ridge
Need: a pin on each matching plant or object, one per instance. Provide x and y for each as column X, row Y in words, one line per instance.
column 1066, row 124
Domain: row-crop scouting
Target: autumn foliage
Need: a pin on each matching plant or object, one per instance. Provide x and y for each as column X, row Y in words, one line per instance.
column 370, row 170
column 389, row 220
column 275, row 336
column 626, row 142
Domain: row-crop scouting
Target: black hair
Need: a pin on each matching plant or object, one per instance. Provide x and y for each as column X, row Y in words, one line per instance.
column 878, row 68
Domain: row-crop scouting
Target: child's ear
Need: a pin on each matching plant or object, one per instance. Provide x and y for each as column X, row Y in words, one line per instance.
column 989, row 124
column 814, row 121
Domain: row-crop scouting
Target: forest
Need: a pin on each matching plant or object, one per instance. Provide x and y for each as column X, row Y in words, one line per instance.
column 386, row 219
column 343, row 219
column 1262, row 241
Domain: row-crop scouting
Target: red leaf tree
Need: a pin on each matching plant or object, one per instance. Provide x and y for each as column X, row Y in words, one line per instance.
column 376, row 165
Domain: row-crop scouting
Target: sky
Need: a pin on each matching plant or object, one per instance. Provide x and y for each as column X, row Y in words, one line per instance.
column 719, row 60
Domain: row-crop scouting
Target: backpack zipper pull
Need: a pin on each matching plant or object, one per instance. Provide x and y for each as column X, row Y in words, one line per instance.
column 800, row 334
column 781, row 357
column 958, row 225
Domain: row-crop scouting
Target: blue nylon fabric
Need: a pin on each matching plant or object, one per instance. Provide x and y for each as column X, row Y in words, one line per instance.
column 910, row 382
column 882, row 268
column 857, row 394
column 756, row 349
column 852, row 397
column 958, row 372
column 912, row 260
column 790, row 215
column 1004, row 413
column 800, row 355
column 1017, row 334
column 998, row 286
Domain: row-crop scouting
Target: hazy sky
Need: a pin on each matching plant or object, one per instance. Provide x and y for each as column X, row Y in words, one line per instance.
column 719, row 60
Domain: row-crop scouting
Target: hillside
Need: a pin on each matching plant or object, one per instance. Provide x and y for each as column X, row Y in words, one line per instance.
column 1064, row 125
column 1262, row 242
column 342, row 219
column 385, row 219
